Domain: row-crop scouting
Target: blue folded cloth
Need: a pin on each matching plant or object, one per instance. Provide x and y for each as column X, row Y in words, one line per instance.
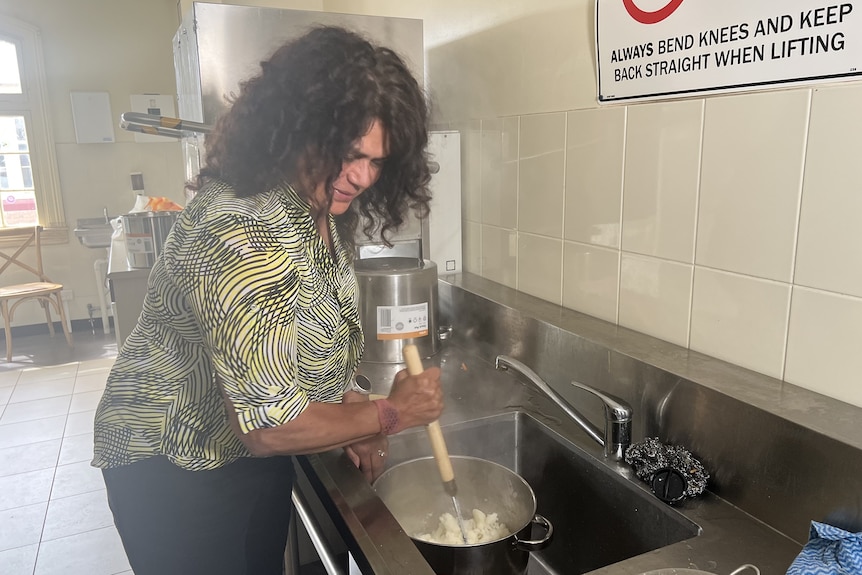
column 829, row 551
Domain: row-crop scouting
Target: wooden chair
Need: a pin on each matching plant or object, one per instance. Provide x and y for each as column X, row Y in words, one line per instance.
column 43, row 290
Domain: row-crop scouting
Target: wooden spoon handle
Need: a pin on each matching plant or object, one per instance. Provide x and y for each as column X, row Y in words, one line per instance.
column 435, row 434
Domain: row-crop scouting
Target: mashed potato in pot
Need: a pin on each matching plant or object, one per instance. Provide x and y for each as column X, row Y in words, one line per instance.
column 482, row 528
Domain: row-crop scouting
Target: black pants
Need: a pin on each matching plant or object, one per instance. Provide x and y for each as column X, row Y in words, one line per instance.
column 228, row 521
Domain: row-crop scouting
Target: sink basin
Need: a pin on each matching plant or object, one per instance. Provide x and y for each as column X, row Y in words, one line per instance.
column 600, row 517
column 94, row 232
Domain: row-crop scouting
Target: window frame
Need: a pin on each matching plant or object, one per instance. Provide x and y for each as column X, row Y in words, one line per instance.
column 32, row 105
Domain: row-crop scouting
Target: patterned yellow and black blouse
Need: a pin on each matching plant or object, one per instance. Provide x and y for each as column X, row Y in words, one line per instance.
column 245, row 288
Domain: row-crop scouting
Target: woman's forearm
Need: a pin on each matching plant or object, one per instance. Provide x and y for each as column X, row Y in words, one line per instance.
column 321, row 427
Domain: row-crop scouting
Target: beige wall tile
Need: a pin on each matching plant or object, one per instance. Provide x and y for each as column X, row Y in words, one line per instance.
column 740, row 319
column 594, row 171
column 824, row 343
column 540, row 194
column 499, row 177
column 471, row 170
column 829, row 253
column 508, row 199
column 539, row 266
column 662, row 175
column 753, row 149
column 472, row 246
column 541, row 143
column 655, row 297
column 590, row 280
column 511, row 137
column 491, row 166
column 500, row 255
column 541, row 134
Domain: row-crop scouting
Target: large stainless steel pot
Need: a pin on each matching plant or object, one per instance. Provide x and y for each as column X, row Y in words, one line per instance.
column 414, row 495
column 145, row 235
column 397, row 307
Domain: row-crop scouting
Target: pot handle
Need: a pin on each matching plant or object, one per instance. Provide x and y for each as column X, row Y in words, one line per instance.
column 536, row 544
column 742, row 568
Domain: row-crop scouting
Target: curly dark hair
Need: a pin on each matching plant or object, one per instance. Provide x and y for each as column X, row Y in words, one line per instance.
column 297, row 120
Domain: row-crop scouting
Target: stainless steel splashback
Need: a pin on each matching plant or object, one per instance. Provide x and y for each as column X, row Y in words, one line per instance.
column 783, row 454
column 218, row 46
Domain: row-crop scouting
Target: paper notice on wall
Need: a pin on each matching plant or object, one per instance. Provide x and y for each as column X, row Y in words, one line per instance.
column 653, row 49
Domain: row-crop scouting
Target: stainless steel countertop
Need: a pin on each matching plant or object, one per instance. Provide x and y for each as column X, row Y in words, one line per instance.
column 474, row 389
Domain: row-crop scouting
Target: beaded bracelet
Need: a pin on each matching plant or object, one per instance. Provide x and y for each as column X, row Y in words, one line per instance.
column 390, row 423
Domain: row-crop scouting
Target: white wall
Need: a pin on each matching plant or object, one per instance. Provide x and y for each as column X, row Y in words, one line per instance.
column 122, row 47
column 730, row 225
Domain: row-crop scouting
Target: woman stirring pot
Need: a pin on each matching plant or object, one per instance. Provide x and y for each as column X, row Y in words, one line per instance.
column 250, row 330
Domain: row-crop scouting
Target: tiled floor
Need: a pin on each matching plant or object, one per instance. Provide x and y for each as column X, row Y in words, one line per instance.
column 54, row 518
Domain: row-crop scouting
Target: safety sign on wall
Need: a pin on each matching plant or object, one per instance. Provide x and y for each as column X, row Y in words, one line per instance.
column 653, row 49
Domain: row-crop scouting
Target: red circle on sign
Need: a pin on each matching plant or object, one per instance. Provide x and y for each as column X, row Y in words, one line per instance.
column 645, row 17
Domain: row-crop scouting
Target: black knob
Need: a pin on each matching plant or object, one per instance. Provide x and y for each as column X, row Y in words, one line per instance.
column 669, row 485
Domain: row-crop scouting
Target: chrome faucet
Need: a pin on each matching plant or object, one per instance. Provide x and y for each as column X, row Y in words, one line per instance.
column 618, row 414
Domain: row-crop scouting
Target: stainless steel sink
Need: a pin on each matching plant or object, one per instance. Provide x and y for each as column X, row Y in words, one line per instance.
column 94, row 232
column 600, row 516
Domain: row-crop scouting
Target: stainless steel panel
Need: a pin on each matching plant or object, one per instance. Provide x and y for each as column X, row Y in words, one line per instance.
column 474, row 392
column 780, row 455
column 765, row 443
column 187, row 68
column 218, row 46
column 390, row 283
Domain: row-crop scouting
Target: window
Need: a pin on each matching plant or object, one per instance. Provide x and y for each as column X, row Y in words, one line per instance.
column 17, row 196
column 29, row 184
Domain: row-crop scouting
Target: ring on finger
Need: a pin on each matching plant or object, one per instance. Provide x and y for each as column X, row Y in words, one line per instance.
column 381, row 453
